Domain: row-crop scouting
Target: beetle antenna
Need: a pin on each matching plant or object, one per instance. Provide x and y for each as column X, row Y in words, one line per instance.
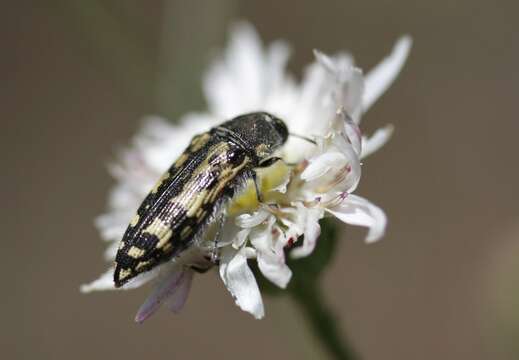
column 303, row 138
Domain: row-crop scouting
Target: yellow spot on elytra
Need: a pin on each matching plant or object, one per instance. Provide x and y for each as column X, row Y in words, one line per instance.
column 121, row 245
column 161, row 230
column 135, row 220
column 199, row 141
column 181, row 160
column 197, row 201
column 161, row 180
column 142, row 264
column 135, row 252
column 226, row 175
column 124, row 273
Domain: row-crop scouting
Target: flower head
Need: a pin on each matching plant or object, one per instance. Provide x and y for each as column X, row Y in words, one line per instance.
column 317, row 177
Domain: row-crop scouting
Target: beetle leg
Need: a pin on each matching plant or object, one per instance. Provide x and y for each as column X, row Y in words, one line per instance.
column 256, row 186
column 220, row 221
column 270, row 161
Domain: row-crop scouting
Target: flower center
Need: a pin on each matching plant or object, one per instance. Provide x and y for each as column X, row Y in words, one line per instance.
column 269, row 180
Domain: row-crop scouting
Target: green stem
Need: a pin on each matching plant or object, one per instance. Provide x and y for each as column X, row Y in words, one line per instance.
column 320, row 318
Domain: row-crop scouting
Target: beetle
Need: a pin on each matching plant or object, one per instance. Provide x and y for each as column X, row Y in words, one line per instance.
column 193, row 192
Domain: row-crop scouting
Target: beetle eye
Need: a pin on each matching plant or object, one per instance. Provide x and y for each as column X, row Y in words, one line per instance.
column 279, row 126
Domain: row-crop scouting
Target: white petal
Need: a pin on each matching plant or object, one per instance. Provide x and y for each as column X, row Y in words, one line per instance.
column 310, row 115
column 382, row 76
column 250, row 221
column 356, row 210
column 240, row 281
column 106, row 282
column 271, row 258
column 111, row 251
column 352, row 131
column 352, row 93
column 248, row 77
column 240, row 238
column 165, row 288
column 112, row 225
column 326, row 61
column 376, row 141
column 321, row 164
column 348, row 82
column 312, row 232
column 274, row 269
column 249, row 252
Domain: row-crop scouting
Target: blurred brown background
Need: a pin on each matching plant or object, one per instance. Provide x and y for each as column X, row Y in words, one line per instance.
column 77, row 76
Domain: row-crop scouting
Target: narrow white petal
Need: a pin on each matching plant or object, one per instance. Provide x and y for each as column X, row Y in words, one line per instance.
column 274, row 268
column 270, row 257
column 356, row 210
column 236, row 75
column 144, row 278
column 106, row 281
column 311, row 234
column 352, row 131
column 240, row 281
column 376, row 141
column 249, row 252
column 352, row 95
column 326, row 61
column 250, row 221
column 112, row 225
column 111, row 251
column 383, row 75
column 321, row 164
column 240, row 238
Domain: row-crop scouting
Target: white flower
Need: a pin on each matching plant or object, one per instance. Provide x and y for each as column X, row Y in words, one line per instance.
column 326, row 106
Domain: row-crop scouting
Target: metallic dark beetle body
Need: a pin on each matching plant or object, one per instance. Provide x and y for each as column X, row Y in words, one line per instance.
column 188, row 196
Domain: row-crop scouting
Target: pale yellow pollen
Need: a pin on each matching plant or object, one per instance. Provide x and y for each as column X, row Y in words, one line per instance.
column 269, row 179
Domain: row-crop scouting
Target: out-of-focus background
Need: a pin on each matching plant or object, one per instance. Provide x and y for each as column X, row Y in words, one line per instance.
column 78, row 76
